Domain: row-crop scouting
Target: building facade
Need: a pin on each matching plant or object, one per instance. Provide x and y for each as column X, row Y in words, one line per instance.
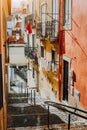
column 72, row 52
column 56, row 48
column 47, row 44
column 5, row 10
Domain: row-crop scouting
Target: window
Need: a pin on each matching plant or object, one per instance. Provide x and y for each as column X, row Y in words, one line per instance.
column 55, row 12
column 67, row 14
column 43, row 18
column 42, row 51
column 33, row 74
column 53, row 56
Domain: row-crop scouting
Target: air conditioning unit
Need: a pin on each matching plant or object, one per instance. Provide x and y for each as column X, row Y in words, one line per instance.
column 77, row 94
column 71, row 77
column 71, row 90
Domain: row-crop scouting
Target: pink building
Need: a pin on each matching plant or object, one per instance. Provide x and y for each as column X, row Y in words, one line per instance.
column 73, row 52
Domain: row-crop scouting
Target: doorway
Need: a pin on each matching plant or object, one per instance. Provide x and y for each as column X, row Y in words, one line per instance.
column 65, row 79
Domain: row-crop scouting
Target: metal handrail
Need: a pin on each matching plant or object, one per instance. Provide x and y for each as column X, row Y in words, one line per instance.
column 62, row 107
column 50, row 29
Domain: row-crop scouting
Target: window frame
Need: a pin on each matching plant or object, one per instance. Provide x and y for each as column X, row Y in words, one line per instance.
column 67, row 9
column 55, row 14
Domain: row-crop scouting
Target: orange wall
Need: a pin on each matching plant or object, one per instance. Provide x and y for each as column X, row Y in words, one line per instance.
column 3, row 87
column 76, row 46
column 9, row 6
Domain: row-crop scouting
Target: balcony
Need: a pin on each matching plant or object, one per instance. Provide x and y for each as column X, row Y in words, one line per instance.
column 17, row 31
column 31, row 52
column 48, row 30
column 39, row 29
column 15, row 39
column 31, row 19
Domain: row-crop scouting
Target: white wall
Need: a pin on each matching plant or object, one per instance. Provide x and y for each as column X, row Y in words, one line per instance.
column 46, row 88
column 16, row 55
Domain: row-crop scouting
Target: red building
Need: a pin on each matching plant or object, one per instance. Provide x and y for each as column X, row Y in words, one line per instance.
column 73, row 52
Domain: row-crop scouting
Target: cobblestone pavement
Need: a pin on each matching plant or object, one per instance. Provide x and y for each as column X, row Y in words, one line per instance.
column 52, row 127
column 61, row 114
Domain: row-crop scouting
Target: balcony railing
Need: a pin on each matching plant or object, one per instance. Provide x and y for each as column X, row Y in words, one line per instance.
column 39, row 29
column 31, row 52
column 48, row 30
column 31, row 19
column 69, row 111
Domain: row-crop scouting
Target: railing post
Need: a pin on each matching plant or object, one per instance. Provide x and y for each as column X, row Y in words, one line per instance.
column 69, row 116
column 48, row 117
column 34, row 97
column 31, row 95
column 27, row 92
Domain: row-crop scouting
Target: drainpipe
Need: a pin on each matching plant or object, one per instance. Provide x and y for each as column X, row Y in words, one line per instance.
column 9, row 69
column 60, row 48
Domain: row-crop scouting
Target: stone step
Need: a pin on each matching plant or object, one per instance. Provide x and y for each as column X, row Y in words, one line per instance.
column 32, row 109
column 52, row 127
column 32, row 120
column 17, row 95
column 17, row 100
column 33, row 115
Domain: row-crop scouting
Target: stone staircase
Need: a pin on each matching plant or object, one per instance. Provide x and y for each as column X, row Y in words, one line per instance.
column 27, row 116
column 52, row 127
column 17, row 98
column 23, row 114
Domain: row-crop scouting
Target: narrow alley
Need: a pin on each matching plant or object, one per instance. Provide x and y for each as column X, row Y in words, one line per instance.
column 43, row 75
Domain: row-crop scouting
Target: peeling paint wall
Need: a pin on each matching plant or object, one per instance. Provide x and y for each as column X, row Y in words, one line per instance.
column 75, row 47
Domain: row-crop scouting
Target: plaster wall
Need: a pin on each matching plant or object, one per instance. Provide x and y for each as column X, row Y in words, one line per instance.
column 76, row 47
